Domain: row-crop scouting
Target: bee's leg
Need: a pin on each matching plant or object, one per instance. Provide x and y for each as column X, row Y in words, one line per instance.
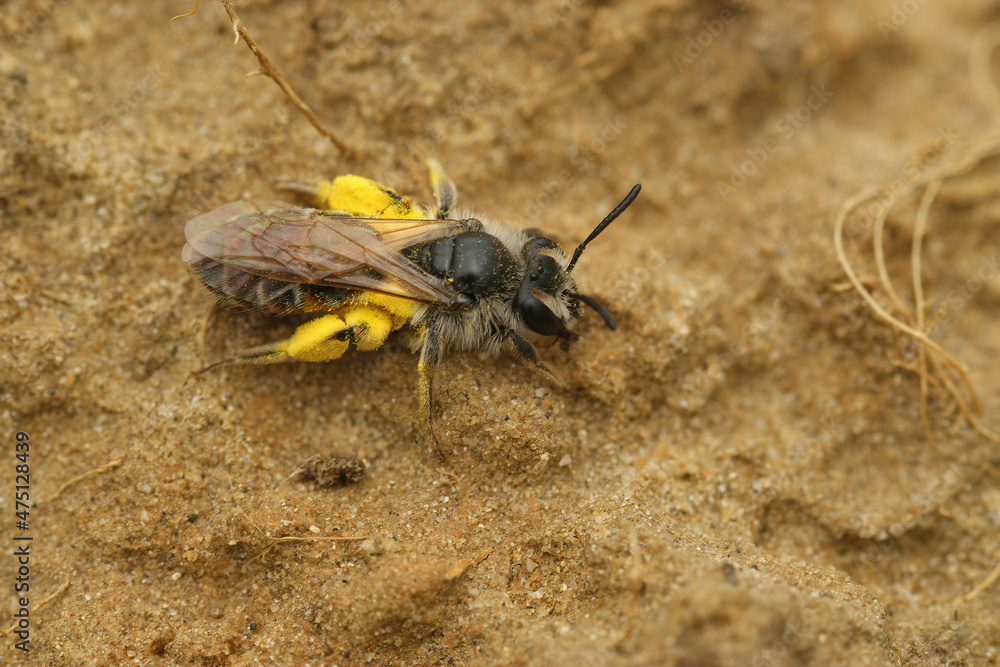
column 326, row 338
column 205, row 323
column 323, row 339
column 526, row 354
column 430, row 358
column 356, row 196
column 309, row 189
column 445, row 193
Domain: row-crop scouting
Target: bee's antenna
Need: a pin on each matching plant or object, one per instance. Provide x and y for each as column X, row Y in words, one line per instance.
column 629, row 198
column 597, row 307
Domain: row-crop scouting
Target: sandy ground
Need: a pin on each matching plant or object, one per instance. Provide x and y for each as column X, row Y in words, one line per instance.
column 740, row 476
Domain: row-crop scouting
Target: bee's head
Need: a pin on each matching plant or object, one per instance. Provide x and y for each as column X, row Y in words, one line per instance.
column 547, row 300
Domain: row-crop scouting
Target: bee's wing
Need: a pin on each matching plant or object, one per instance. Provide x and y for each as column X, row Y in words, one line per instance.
column 287, row 243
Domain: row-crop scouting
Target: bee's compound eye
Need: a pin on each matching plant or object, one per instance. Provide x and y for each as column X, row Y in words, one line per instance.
column 538, row 243
column 542, row 242
column 538, row 317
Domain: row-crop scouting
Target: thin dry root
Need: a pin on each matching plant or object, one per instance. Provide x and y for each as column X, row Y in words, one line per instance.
column 38, row 605
column 990, row 579
column 932, row 358
column 110, row 465
column 190, row 13
column 318, row 538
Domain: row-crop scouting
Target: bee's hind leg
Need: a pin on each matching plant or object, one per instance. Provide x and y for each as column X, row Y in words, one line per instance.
column 323, row 339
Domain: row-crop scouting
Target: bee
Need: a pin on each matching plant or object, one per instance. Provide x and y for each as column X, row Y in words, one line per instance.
column 368, row 262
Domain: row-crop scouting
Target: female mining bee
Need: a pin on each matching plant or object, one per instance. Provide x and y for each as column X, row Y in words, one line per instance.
column 373, row 262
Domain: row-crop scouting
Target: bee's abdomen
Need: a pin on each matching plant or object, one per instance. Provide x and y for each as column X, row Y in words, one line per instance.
column 476, row 263
column 274, row 296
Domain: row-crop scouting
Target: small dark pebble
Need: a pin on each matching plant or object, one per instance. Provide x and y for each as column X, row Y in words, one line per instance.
column 159, row 645
column 332, row 471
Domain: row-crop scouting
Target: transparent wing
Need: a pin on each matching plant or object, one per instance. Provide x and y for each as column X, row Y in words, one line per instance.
column 291, row 244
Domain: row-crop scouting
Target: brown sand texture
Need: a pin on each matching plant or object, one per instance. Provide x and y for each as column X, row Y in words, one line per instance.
column 786, row 454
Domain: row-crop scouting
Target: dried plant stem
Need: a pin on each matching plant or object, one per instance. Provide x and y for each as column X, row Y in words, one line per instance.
column 269, row 70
